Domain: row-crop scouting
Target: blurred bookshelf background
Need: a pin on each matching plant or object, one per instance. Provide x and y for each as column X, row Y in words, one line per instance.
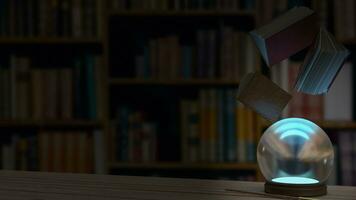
column 148, row 88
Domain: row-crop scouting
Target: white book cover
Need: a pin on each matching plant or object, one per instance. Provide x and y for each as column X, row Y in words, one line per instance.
column 338, row 104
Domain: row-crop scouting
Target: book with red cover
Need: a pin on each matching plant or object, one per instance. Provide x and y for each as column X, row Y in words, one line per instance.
column 286, row 35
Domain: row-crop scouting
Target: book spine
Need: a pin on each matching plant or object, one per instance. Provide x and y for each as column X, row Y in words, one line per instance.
column 82, row 152
column 123, row 134
column 345, row 157
column 90, row 87
column 37, row 94
column 211, row 54
column 250, row 137
column 78, row 97
column 241, row 133
column 220, row 125
column 194, row 141
column 13, row 69
column 66, row 93
column 70, row 152
column 44, row 145
column 58, row 152
column 230, row 126
column 203, row 125
column 31, row 153
column 187, row 62
column 184, row 120
column 77, row 18
column 213, row 137
column 99, row 152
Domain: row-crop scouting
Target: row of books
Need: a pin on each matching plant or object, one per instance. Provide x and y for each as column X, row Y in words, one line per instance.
column 182, row 4
column 134, row 137
column 77, row 18
column 54, row 151
column 225, row 53
column 215, row 128
column 344, row 172
column 317, row 107
column 50, row 93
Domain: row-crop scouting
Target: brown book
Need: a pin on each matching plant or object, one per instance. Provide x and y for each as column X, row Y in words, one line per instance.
column 82, row 152
column 66, row 93
column 286, row 35
column 22, row 88
column 89, row 155
column 44, row 151
column 263, row 96
column 70, row 152
column 99, row 87
column 51, row 94
column 58, row 152
column 37, row 94
column 77, row 25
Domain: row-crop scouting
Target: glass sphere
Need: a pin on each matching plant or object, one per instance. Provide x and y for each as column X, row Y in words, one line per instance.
column 295, row 151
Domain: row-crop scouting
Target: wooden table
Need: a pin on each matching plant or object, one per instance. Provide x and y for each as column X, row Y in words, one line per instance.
column 16, row 185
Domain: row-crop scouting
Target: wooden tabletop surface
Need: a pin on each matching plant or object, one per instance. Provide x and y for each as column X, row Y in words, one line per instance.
column 15, row 185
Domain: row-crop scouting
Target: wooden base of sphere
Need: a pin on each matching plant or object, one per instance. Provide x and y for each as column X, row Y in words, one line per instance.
column 297, row 190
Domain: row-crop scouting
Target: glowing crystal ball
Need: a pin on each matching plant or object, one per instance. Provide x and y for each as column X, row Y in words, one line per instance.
column 295, row 151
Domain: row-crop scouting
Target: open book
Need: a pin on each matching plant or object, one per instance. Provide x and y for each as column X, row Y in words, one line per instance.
column 321, row 65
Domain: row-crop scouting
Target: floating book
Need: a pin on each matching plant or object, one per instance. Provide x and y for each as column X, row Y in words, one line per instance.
column 321, row 65
column 263, row 96
column 286, row 35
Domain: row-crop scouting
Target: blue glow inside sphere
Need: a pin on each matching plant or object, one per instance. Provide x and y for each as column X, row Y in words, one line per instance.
column 295, row 151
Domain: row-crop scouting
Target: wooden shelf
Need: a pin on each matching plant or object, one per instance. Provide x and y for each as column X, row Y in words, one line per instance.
column 183, row 166
column 328, row 124
column 124, row 82
column 183, row 13
column 49, row 123
column 47, row 40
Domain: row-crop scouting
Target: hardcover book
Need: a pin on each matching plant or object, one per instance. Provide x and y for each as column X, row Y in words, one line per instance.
column 322, row 64
column 263, row 96
column 286, row 35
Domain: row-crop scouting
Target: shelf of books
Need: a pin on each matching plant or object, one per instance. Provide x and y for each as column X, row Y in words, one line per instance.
column 164, row 6
column 51, row 106
column 45, row 19
column 180, row 128
column 55, row 151
column 165, row 45
column 48, row 40
column 179, row 82
column 198, row 13
column 186, row 166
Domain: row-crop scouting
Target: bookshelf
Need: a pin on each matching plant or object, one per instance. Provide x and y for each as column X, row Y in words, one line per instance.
column 159, row 24
column 120, row 84
column 40, row 48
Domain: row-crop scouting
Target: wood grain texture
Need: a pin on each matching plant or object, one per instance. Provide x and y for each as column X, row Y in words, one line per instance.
column 56, row 186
